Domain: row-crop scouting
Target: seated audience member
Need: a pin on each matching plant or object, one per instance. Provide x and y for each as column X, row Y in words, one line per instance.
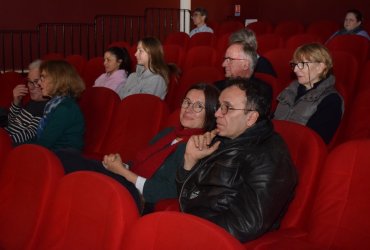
column 247, row 35
column 62, row 123
column 151, row 176
column 239, row 176
column 312, row 99
column 352, row 25
column 117, row 65
column 23, row 120
column 199, row 18
column 152, row 72
column 239, row 62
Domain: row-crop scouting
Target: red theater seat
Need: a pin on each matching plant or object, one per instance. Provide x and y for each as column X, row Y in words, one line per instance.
column 173, row 230
column 88, row 211
column 98, row 105
column 5, row 146
column 28, row 179
column 339, row 218
column 92, row 70
column 288, row 28
column 202, row 39
column 137, row 119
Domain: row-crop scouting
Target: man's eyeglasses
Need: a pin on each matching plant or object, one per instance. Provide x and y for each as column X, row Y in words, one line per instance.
column 300, row 65
column 225, row 108
column 195, row 15
column 196, row 106
column 230, row 59
column 34, row 83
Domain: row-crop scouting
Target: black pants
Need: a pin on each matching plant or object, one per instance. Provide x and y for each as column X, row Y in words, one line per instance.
column 73, row 161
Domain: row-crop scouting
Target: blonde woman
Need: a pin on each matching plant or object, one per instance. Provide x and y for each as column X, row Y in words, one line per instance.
column 312, row 99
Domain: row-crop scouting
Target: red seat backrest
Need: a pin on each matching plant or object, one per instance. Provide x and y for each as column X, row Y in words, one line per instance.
column 288, row 28
column 88, row 211
column 93, row 69
column 174, row 230
column 202, row 39
column 98, row 105
column 6, row 146
column 137, row 119
column 28, row 179
column 340, row 215
column 200, row 56
column 308, row 152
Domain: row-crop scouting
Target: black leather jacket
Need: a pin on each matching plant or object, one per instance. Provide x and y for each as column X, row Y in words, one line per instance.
column 245, row 186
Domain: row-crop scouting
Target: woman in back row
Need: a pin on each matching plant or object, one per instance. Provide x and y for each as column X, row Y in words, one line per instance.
column 152, row 72
column 352, row 25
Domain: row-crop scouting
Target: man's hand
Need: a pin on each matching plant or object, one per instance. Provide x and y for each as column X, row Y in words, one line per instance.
column 199, row 147
column 18, row 93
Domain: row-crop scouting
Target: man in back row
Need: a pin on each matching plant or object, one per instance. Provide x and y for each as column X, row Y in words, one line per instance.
column 199, row 17
column 239, row 176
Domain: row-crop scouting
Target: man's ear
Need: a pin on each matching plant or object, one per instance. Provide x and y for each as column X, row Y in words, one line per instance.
column 252, row 118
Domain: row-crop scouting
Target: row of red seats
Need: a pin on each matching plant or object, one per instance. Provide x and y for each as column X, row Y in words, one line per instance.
column 86, row 210
column 41, row 208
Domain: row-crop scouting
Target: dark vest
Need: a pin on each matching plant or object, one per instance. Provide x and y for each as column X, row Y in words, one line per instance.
column 300, row 111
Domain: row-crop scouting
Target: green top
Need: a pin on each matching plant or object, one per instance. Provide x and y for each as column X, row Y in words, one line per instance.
column 162, row 185
column 65, row 127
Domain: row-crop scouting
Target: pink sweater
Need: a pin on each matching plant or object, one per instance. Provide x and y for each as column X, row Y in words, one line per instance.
column 113, row 81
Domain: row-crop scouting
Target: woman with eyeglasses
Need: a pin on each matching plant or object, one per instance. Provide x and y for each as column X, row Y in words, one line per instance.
column 152, row 72
column 312, row 100
column 151, row 176
column 62, row 124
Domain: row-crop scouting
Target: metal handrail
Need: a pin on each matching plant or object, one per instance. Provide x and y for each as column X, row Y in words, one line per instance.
column 20, row 47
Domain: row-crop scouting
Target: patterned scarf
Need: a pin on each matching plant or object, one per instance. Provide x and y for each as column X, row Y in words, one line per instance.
column 149, row 160
column 49, row 107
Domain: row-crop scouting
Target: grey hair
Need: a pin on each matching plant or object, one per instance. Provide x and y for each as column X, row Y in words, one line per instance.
column 250, row 53
column 246, row 36
column 35, row 64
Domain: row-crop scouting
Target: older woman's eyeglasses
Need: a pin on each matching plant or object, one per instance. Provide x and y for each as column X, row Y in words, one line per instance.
column 33, row 83
column 225, row 108
column 300, row 65
column 196, row 106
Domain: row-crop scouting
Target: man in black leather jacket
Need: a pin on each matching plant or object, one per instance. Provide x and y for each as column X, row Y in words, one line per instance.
column 239, row 176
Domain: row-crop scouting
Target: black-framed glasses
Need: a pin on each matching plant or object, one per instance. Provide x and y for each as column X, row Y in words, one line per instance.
column 196, row 106
column 33, row 83
column 225, row 108
column 230, row 59
column 300, row 65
